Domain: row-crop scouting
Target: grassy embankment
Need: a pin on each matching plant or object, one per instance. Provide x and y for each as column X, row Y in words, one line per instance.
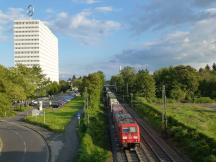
column 191, row 127
column 13, row 111
column 94, row 138
column 57, row 119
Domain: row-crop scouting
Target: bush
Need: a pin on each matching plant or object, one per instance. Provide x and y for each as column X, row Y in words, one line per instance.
column 177, row 93
column 90, row 152
column 203, row 100
column 5, row 105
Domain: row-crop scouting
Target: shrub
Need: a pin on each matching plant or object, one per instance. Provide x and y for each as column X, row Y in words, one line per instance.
column 203, row 100
column 177, row 93
column 5, row 105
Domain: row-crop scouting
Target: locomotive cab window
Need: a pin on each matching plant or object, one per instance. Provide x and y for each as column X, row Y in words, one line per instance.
column 133, row 129
column 129, row 130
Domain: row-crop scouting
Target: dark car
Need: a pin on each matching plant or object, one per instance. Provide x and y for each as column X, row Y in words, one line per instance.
column 55, row 104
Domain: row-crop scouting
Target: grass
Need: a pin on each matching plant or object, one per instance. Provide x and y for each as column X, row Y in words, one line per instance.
column 195, row 116
column 22, row 108
column 57, row 119
column 5, row 114
column 190, row 126
column 13, row 111
column 94, row 138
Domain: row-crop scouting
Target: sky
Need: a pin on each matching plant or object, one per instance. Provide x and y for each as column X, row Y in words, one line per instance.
column 106, row 34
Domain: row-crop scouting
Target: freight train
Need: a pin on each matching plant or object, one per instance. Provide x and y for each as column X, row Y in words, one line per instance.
column 127, row 129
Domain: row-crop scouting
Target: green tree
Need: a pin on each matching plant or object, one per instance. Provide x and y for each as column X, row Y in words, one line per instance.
column 207, row 67
column 5, row 104
column 53, row 88
column 64, row 85
column 128, row 74
column 214, row 67
column 185, row 77
column 177, row 93
column 118, row 81
column 145, row 84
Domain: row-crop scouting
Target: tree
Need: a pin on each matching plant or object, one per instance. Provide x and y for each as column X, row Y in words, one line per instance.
column 207, row 67
column 184, row 77
column 145, row 84
column 74, row 77
column 12, row 90
column 128, row 75
column 5, row 104
column 177, row 93
column 164, row 76
column 63, row 86
column 30, row 79
column 53, row 88
column 214, row 67
column 118, row 81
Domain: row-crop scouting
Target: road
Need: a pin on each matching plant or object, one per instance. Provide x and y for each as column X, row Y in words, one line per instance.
column 21, row 144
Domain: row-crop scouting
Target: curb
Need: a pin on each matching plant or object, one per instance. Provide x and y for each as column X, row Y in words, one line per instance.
column 1, row 146
column 48, row 146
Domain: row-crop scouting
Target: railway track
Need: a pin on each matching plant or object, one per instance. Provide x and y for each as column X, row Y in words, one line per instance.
column 152, row 148
column 132, row 156
column 120, row 155
column 160, row 151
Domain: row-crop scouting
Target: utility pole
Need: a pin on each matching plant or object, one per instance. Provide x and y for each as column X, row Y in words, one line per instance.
column 116, row 87
column 87, row 109
column 164, row 113
column 44, row 117
column 131, row 95
column 123, row 94
column 127, row 88
column 85, row 103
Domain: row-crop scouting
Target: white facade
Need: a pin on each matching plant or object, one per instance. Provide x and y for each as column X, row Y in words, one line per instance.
column 35, row 44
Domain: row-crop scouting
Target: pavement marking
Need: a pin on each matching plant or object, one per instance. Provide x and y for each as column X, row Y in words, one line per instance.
column 24, row 144
column 32, row 130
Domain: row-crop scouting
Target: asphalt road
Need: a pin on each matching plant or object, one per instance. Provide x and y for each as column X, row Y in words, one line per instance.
column 21, row 144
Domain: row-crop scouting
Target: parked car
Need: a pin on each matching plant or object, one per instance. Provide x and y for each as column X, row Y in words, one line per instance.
column 33, row 103
column 55, row 104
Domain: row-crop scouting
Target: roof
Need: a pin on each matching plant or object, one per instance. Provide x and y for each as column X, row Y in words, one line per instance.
column 123, row 118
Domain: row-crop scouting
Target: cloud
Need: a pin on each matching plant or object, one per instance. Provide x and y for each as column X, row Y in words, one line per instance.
column 86, row 1
column 104, row 9
column 196, row 47
column 6, row 20
column 166, row 14
column 211, row 11
column 204, row 2
column 82, row 26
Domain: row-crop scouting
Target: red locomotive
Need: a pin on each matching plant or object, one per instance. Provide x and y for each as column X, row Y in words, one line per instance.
column 126, row 127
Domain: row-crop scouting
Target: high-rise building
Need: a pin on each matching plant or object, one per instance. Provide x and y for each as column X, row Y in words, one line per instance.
column 35, row 44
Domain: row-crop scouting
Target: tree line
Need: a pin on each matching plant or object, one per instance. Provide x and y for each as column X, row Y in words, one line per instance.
column 182, row 82
column 21, row 83
column 93, row 127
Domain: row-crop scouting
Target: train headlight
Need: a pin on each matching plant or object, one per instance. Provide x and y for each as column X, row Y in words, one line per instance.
column 135, row 137
column 124, row 137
